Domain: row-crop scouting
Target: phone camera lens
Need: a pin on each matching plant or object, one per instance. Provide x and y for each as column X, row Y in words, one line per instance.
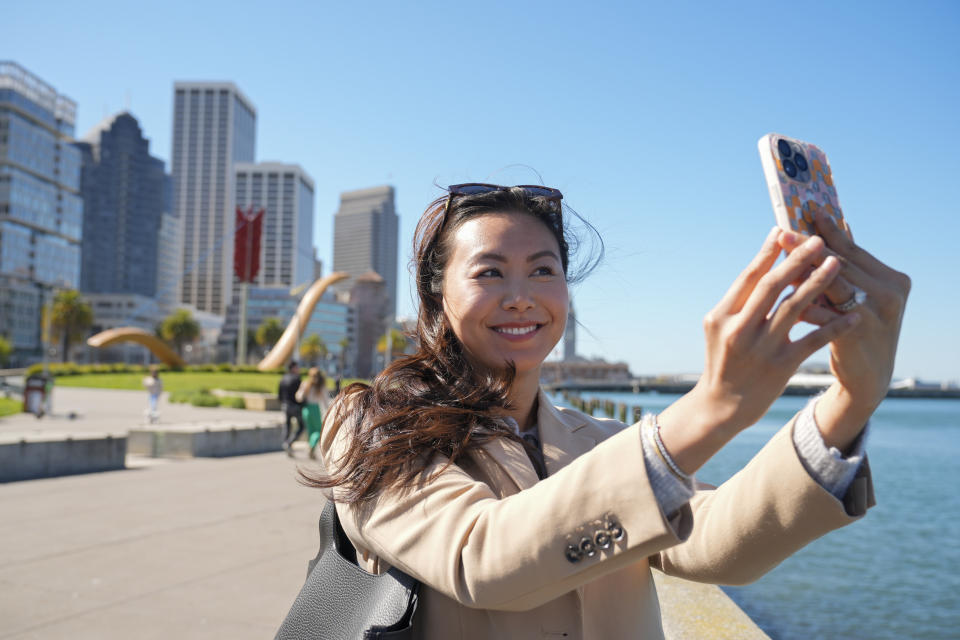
column 789, row 168
column 784, row 148
column 800, row 161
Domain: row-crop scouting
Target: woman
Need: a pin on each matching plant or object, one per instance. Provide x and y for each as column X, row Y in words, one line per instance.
column 154, row 386
column 312, row 394
column 524, row 520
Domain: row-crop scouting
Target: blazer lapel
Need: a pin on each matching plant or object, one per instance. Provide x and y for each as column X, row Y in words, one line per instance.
column 561, row 435
column 512, row 460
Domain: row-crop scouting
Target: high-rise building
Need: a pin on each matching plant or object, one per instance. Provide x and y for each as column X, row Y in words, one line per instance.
column 124, row 200
column 285, row 193
column 365, row 238
column 169, row 261
column 41, row 211
column 214, row 128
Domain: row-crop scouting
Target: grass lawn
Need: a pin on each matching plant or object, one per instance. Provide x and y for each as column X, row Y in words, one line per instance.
column 9, row 406
column 177, row 381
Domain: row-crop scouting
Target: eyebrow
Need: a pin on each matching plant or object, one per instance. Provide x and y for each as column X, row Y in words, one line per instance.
column 499, row 257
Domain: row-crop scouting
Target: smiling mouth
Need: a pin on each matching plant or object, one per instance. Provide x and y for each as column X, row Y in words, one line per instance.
column 517, row 331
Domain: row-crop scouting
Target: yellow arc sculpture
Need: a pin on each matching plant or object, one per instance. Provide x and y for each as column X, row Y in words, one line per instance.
column 281, row 351
column 135, row 334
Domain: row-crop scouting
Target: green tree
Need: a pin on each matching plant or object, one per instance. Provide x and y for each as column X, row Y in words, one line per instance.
column 5, row 350
column 180, row 328
column 344, row 344
column 269, row 332
column 312, row 349
column 70, row 318
column 398, row 342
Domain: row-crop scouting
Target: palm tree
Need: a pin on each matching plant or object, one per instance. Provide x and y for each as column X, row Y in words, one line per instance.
column 269, row 332
column 343, row 343
column 312, row 349
column 398, row 342
column 5, row 350
column 180, row 328
column 70, row 318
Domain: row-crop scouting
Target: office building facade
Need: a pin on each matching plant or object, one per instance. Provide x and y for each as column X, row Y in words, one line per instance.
column 365, row 238
column 214, row 128
column 124, row 196
column 285, row 193
column 41, row 210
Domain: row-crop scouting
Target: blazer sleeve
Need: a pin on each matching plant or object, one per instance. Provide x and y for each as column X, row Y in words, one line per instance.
column 760, row 516
column 456, row 535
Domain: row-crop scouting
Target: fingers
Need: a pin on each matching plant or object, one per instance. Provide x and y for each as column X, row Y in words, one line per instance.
column 819, row 338
column 771, row 285
column 851, row 276
column 792, row 307
column 741, row 288
column 841, row 243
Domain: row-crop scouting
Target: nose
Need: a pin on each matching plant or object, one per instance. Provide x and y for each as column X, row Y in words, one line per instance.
column 518, row 299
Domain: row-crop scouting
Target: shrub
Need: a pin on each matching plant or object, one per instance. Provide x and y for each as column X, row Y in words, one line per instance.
column 205, row 399
column 225, row 366
column 233, row 402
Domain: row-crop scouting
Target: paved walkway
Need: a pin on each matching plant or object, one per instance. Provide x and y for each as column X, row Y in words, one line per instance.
column 190, row 549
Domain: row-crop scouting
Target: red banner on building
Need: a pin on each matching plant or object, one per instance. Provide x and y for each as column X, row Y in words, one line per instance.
column 246, row 244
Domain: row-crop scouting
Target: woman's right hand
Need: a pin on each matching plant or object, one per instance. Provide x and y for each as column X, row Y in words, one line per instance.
column 749, row 353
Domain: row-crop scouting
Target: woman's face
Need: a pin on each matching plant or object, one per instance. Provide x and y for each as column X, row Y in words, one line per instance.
column 504, row 291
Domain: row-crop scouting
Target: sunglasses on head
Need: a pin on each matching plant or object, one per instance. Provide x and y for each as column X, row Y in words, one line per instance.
column 474, row 188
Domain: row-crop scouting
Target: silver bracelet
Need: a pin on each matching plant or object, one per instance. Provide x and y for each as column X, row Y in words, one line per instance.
column 662, row 450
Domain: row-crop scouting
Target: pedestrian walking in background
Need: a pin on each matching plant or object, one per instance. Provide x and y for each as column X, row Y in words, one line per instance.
column 287, row 393
column 154, row 387
column 314, row 398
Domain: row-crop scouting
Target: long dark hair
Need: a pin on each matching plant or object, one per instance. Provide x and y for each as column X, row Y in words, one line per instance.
column 436, row 401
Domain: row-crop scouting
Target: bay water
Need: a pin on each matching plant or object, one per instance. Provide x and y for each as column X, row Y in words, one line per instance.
column 895, row 573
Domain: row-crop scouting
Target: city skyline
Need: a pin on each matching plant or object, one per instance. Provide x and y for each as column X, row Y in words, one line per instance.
column 648, row 124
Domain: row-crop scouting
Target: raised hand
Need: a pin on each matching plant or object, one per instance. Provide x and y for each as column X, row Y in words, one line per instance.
column 861, row 359
column 749, row 355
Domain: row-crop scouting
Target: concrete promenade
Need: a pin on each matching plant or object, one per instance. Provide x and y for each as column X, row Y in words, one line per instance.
column 190, row 549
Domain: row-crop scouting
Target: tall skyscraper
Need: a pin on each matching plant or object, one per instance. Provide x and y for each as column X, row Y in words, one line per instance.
column 214, row 128
column 365, row 238
column 41, row 211
column 123, row 190
column 285, row 192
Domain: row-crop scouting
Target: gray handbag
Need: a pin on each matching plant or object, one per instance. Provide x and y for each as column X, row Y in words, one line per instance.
column 341, row 601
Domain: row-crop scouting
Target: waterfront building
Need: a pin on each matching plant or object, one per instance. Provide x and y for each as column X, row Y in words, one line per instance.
column 41, row 211
column 369, row 299
column 124, row 196
column 332, row 320
column 214, row 128
column 583, row 370
column 285, row 193
column 365, row 238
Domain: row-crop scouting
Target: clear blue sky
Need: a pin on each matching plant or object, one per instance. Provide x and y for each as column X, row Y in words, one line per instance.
column 646, row 116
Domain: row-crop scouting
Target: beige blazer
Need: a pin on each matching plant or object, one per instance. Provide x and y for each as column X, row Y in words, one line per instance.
column 491, row 543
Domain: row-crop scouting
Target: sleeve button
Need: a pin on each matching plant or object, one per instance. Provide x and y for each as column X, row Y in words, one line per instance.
column 614, row 529
column 601, row 539
column 573, row 554
column 587, row 547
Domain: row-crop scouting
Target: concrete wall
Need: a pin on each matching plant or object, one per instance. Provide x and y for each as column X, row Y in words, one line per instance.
column 44, row 456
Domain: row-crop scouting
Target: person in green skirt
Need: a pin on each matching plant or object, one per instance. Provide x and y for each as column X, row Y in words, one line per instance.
column 313, row 394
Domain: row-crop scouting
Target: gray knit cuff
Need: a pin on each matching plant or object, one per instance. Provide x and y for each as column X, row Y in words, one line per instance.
column 670, row 491
column 827, row 466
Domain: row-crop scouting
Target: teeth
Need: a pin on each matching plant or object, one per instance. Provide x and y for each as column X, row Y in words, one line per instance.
column 517, row 331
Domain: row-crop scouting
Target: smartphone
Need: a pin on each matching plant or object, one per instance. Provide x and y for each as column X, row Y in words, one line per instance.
column 799, row 180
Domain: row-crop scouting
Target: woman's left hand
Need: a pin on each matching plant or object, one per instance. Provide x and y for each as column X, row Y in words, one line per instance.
column 861, row 359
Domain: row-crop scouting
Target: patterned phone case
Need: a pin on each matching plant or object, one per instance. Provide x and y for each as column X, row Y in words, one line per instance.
column 799, row 178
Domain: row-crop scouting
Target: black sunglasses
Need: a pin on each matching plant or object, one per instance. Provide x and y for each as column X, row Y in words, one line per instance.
column 473, row 188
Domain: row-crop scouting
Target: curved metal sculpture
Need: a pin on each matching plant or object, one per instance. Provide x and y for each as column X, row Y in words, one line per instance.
column 281, row 351
column 156, row 346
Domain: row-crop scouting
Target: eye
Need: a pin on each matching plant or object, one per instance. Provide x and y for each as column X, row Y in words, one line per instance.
column 544, row 270
column 492, row 272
